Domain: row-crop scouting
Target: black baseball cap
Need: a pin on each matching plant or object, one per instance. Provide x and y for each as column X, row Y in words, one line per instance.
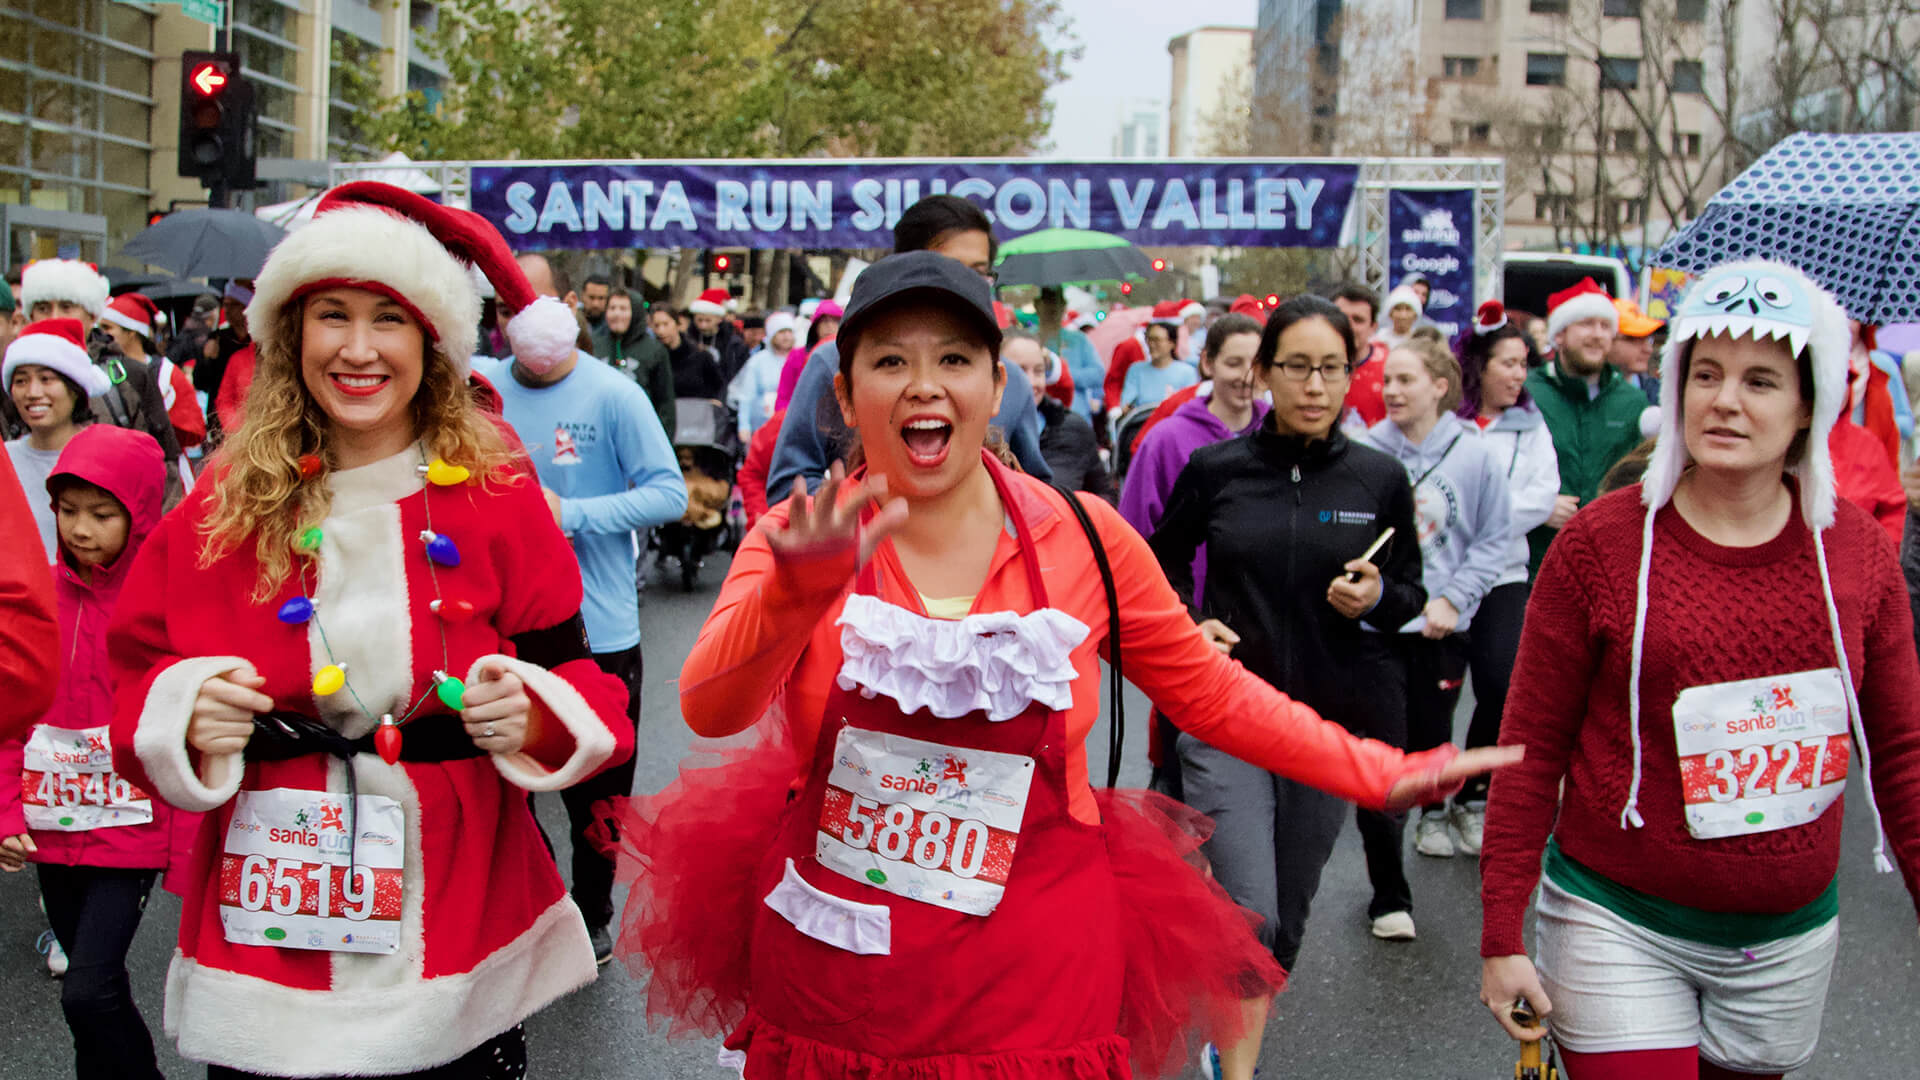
column 923, row 277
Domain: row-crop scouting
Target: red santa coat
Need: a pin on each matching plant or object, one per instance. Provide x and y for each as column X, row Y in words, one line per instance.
column 488, row 934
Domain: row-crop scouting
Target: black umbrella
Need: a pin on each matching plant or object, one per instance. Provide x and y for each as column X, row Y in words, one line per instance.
column 206, row 243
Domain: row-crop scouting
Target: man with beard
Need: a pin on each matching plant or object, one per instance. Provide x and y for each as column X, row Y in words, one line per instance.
column 714, row 332
column 1592, row 411
column 593, row 300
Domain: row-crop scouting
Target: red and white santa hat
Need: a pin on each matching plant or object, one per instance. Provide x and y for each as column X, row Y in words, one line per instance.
column 1191, row 308
column 1586, row 300
column 71, row 280
column 131, row 311
column 386, row 239
column 59, row 344
column 1169, row 312
column 711, row 302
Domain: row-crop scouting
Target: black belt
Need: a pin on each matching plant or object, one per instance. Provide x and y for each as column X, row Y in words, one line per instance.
column 282, row 736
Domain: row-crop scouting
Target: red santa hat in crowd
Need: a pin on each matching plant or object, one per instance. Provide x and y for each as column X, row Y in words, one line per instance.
column 1168, row 312
column 386, row 239
column 59, row 344
column 76, row 282
column 131, row 311
column 1192, row 308
column 1491, row 316
column 1586, row 300
column 1246, row 304
column 711, row 302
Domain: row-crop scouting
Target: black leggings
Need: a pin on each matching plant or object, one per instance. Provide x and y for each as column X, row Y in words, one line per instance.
column 592, row 871
column 503, row 1057
column 1492, row 641
column 1434, row 673
column 94, row 912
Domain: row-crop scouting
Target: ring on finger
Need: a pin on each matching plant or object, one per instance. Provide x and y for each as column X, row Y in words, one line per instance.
column 487, row 732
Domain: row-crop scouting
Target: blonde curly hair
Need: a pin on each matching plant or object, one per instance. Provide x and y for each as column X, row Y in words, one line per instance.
column 258, row 491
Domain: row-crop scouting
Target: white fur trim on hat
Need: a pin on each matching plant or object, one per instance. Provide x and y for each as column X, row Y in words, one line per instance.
column 63, row 279
column 705, row 307
column 55, row 352
column 1402, row 294
column 365, row 243
column 1584, row 306
column 1828, row 341
column 126, row 322
column 1194, row 307
column 777, row 322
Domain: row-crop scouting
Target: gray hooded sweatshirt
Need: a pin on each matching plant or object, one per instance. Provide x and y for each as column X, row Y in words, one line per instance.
column 1461, row 508
column 1523, row 449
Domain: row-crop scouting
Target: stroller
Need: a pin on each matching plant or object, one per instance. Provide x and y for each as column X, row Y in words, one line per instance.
column 707, row 441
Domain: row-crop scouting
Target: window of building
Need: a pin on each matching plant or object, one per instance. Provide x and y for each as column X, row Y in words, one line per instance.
column 1460, row 67
column 1547, row 7
column 1553, row 207
column 1621, row 9
column 1690, row 11
column 1624, row 140
column 1466, row 9
column 1687, row 77
column 1619, row 73
column 1627, row 211
column 1468, row 133
column 1686, row 144
column 1546, row 69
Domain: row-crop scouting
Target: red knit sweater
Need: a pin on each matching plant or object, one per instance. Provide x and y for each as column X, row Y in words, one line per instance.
column 1717, row 614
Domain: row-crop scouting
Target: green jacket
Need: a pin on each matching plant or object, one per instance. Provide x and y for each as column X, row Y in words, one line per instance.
column 644, row 360
column 1590, row 432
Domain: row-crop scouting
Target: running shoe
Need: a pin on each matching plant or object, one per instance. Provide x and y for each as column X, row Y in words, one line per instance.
column 602, row 939
column 1431, row 837
column 1470, row 821
column 1210, row 1062
column 1394, row 926
column 49, row 947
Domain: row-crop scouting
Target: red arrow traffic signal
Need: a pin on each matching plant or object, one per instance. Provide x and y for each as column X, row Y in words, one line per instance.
column 209, row 79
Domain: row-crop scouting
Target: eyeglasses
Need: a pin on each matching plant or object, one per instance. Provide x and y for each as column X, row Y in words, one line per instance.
column 1295, row 371
column 987, row 273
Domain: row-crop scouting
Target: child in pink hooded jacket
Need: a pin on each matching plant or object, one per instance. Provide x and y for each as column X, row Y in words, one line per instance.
column 97, row 841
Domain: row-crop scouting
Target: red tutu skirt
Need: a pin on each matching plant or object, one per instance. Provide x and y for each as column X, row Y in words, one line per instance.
column 690, row 855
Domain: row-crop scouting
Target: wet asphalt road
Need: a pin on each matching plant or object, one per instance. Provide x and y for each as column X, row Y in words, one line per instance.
column 1356, row 1008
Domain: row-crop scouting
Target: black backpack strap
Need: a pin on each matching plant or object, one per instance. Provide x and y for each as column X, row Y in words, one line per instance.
column 1117, row 710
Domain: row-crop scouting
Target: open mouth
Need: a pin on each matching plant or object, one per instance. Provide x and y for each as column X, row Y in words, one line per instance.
column 928, row 440
column 359, row 385
column 1723, row 433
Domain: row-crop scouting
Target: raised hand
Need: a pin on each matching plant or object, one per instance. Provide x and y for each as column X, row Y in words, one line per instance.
column 827, row 523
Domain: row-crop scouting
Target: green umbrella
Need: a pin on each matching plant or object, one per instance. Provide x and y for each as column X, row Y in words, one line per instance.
column 1069, row 257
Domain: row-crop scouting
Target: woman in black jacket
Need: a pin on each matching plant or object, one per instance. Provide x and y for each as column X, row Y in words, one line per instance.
column 1286, row 514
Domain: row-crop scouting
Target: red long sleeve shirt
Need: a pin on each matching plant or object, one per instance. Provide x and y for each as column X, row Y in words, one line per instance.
column 1717, row 614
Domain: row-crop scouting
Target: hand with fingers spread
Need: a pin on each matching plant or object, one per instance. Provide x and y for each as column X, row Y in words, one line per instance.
column 496, row 709
column 1504, row 980
column 829, row 522
column 222, row 720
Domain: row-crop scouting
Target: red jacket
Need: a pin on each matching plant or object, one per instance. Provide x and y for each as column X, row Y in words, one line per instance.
column 1864, row 476
column 1126, row 354
column 183, row 409
column 29, row 659
column 129, row 466
column 487, row 933
column 753, row 471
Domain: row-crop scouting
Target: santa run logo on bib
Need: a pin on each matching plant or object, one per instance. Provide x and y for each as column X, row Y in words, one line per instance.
column 67, row 783
column 285, row 879
column 1761, row 754
column 933, row 823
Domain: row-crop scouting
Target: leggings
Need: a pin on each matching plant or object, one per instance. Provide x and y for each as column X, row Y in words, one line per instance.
column 94, row 912
column 503, row 1057
column 1434, row 673
column 1492, row 641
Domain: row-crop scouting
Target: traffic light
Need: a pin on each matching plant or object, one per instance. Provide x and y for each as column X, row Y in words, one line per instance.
column 1126, row 288
column 154, row 217
column 1159, row 264
column 216, row 121
column 1273, row 301
column 723, row 264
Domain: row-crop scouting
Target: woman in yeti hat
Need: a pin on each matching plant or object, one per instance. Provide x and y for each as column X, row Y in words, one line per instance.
column 354, row 648
column 1704, row 655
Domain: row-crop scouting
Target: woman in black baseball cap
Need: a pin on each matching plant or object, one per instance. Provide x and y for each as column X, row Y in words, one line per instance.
column 909, row 875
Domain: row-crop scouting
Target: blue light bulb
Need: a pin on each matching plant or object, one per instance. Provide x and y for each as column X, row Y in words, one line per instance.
column 440, row 549
column 296, row 611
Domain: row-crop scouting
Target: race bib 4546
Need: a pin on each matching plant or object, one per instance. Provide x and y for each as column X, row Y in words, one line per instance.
column 67, row 783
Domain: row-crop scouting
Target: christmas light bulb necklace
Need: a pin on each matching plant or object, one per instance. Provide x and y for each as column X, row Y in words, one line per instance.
column 441, row 551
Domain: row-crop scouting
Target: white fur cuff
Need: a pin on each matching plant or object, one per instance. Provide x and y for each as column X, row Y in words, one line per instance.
column 593, row 744
column 160, row 740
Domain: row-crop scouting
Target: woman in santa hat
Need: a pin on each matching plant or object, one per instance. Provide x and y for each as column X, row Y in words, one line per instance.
column 911, row 876
column 1705, row 653
column 355, row 648
column 129, row 320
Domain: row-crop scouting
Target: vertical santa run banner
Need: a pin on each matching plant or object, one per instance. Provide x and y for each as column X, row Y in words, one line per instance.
column 1430, row 232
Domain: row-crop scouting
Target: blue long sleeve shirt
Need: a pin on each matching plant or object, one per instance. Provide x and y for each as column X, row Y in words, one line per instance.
column 808, row 441
column 596, row 442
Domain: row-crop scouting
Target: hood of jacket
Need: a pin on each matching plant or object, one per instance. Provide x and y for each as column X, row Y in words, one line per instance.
column 128, row 465
column 1387, row 436
column 1198, row 425
column 1518, row 418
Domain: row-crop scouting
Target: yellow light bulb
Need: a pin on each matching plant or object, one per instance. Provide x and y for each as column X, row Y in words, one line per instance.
column 328, row 680
column 442, row 474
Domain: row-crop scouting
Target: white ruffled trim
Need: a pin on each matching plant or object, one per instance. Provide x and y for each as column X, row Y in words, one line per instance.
column 999, row 662
column 863, row 929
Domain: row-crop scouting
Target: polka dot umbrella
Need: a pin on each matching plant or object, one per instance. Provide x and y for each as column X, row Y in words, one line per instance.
column 1843, row 208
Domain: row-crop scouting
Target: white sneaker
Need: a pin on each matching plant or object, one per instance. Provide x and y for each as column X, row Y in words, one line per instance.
column 1210, row 1062
column 1430, row 836
column 49, row 946
column 1470, row 821
column 1394, row 926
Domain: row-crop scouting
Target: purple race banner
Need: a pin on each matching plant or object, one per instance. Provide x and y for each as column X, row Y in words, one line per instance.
column 1430, row 232
column 854, row 204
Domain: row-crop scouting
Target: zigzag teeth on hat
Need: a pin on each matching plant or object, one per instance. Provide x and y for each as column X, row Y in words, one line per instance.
column 1797, row 339
column 1739, row 326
